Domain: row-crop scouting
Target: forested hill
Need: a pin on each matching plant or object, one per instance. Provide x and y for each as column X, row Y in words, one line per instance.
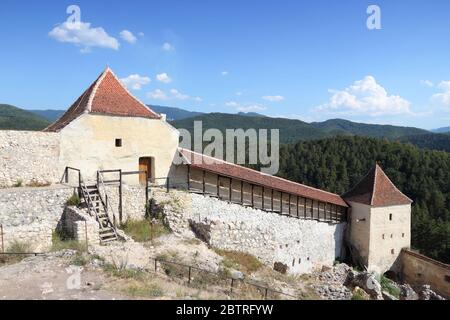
column 336, row 164
column 290, row 130
column 346, row 127
column 13, row 118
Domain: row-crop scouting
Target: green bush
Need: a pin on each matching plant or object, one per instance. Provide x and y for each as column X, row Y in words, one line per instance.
column 389, row 286
column 18, row 183
column 74, row 200
column 239, row 260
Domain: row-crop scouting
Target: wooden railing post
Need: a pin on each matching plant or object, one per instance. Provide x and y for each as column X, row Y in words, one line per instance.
column 120, row 196
column 168, row 184
column 66, row 175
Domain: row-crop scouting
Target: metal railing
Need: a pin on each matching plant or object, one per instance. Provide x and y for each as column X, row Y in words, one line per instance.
column 187, row 272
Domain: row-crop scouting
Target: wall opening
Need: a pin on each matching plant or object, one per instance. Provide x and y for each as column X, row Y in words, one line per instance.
column 118, row 143
column 390, row 216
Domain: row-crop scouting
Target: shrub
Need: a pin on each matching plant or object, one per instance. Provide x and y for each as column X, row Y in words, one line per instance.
column 74, row 200
column 37, row 184
column 239, row 260
column 143, row 231
column 15, row 247
column 18, row 183
column 389, row 286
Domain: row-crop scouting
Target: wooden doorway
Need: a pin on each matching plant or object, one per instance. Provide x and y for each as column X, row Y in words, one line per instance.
column 146, row 164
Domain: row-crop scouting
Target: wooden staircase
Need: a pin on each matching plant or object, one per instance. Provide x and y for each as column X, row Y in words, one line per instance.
column 98, row 209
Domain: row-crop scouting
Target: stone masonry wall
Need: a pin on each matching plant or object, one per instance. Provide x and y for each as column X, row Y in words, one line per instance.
column 31, row 214
column 29, row 157
column 133, row 201
column 301, row 245
column 80, row 226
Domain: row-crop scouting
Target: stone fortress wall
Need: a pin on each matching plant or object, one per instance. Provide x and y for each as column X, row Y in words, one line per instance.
column 301, row 245
column 29, row 157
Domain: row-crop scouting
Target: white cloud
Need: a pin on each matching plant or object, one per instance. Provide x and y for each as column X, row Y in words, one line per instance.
column 232, row 104
column 157, row 95
column 81, row 34
column 163, row 77
column 273, row 98
column 141, row 34
column 135, row 81
column 128, row 36
column 173, row 94
column 247, row 107
column 365, row 97
column 224, row 73
column 442, row 97
column 178, row 95
column 251, row 108
column 427, row 83
column 239, row 93
column 167, row 46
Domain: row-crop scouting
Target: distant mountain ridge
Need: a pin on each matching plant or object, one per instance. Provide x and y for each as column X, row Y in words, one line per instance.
column 442, row 130
column 291, row 130
column 173, row 114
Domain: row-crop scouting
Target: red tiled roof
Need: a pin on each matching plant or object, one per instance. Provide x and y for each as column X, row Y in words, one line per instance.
column 107, row 95
column 199, row 161
column 376, row 189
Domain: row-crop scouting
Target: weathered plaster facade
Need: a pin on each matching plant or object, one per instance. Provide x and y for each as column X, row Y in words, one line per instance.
column 379, row 234
column 88, row 143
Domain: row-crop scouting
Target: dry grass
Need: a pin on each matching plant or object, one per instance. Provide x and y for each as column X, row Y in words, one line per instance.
column 15, row 247
column 239, row 260
column 143, row 230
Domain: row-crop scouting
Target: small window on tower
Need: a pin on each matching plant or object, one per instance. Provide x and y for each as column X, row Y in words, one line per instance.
column 390, row 216
column 403, row 235
column 383, row 236
column 392, row 251
column 118, row 142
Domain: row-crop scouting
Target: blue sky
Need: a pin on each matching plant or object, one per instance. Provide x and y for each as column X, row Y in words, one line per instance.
column 311, row 60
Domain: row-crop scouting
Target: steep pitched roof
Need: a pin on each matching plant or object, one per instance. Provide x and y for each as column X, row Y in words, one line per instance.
column 376, row 189
column 106, row 95
column 227, row 169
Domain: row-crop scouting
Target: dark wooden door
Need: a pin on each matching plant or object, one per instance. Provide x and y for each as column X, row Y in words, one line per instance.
column 145, row 164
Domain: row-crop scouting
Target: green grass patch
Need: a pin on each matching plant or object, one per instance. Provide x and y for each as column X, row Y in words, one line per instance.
column 143, row 230
column 150, row 290
column 61, row 242
column 389, row 286
column 239, row 260
column 122, row 272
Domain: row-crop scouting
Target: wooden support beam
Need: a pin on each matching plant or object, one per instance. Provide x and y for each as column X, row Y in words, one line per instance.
column 188, row 177
column 262, row 200
column 304, row 209
column 289, row 204
column 242, row 192
column 297, row 208
column 253, row 200
column 281, row 202
column 203, row 182
column 271, row 201
column 218, row 186
column 231, row 189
